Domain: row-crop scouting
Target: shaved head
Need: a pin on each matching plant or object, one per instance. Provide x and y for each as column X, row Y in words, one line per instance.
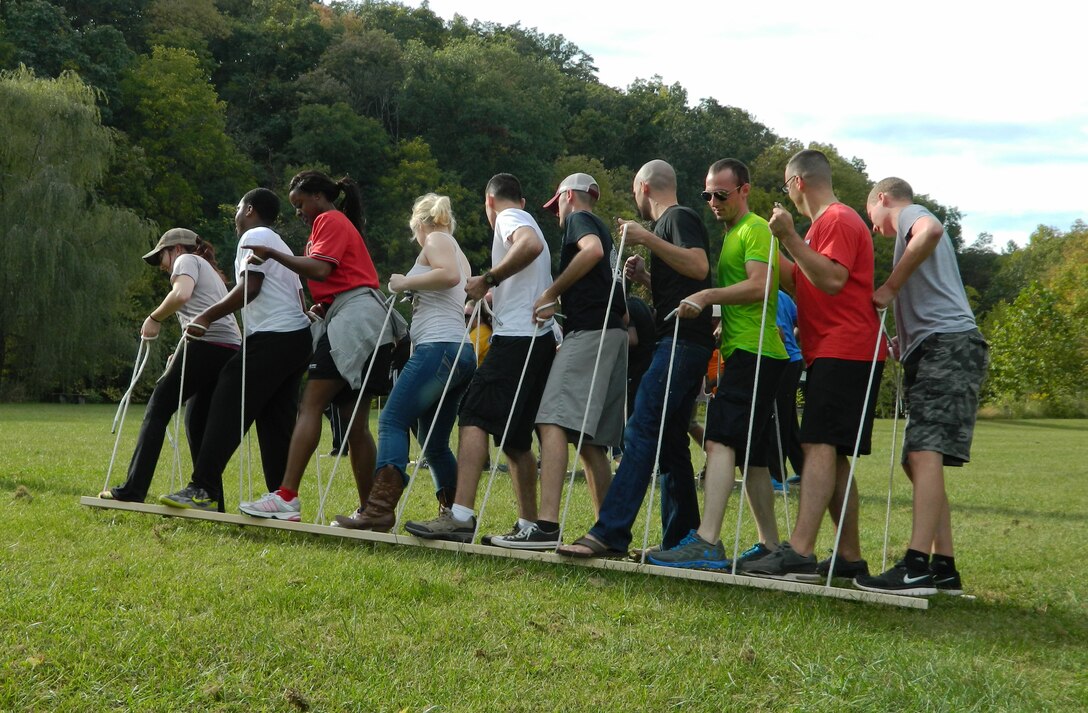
column 658, row 175
column 811, row 165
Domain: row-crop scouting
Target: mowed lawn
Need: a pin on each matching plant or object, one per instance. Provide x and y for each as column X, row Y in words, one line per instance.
column 103, row 610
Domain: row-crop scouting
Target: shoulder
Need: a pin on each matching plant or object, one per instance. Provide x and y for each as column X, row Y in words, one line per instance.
column 260, row 236
column 682, row 226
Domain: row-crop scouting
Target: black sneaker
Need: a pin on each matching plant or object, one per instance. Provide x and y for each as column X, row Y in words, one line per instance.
column 786, row 564
column 947, row 582
column 514, row 529
column 750, row 556
column 899, row 580
column 844, row 568
column 529, row 538
column 190, row 497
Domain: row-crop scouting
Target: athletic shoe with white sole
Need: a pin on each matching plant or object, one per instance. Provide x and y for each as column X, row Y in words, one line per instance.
column 947, row 582
column 190, row 497
column 528, row 538
column 785, row 563
column 272, row 506
column 899, row 580
column 486, row 539
column 693, row 552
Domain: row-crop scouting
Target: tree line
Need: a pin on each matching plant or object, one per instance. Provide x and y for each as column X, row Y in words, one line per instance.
column 123, row 118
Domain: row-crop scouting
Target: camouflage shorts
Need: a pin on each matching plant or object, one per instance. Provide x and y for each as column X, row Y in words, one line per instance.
column 942, row 376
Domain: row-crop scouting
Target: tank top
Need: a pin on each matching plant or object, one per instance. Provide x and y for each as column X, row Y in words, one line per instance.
column 439, row 315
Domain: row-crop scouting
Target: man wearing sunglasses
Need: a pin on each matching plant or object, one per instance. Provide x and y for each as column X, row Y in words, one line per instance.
column 678, row 245
column 832, row 280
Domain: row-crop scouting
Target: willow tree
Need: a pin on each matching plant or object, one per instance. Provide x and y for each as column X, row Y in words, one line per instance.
column 65, row 257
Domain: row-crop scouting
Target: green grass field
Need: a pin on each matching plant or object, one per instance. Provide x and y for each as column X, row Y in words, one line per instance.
column 103, row 610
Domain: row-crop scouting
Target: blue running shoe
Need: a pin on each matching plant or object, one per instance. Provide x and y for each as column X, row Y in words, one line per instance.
column 693, row 552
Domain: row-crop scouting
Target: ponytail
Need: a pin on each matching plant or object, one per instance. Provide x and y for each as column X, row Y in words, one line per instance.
column 316, row 182
column 205, row 250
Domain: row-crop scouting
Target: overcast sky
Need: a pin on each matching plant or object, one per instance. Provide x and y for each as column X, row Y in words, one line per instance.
column 983, row 106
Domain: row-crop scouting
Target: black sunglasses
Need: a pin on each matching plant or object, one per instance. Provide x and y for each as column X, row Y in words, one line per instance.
column 720, row 195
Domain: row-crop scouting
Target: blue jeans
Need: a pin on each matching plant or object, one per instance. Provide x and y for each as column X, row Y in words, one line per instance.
column 413, row 403
column 679, row 503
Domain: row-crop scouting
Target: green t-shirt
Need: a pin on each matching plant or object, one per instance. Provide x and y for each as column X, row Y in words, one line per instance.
column 750, row 239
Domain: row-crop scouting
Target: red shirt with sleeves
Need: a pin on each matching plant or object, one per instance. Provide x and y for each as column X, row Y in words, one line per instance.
column 842, row 326
column 334, row 239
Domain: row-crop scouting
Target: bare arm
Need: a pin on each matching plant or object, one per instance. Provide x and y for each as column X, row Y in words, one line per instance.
column 308, row 267
column 231, row 302
column 525, row 246
column 181, row 291
column 439, row 253
column 926, row 234
column 689, row 262
column 823, row 272
column 589, row 254
column 747, row 291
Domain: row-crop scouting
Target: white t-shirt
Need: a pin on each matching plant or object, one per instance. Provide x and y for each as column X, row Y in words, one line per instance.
column 277, row 308
column 209, row 288
column 515, row 296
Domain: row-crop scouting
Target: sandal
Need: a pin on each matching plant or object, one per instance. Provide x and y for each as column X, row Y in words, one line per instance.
column 596, row 549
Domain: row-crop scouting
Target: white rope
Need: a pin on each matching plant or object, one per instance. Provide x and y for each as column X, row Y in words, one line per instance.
column 430, row 430
column 891, row 465
column 782, row 465
column 351, row 422
column 142, row 354
column 175, row 468
column 857, row 446
column 771, row 262
column 660, row 431
column 506, row 428
column 593, row 381
column 245, row 454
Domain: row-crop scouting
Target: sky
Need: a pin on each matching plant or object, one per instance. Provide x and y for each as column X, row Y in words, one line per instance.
column 981, row 106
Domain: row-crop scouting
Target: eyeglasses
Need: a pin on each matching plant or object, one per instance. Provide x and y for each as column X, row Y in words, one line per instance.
column 786, row 185
column 722, row 196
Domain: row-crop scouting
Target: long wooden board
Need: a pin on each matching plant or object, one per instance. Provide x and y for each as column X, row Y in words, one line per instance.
column 611, row 564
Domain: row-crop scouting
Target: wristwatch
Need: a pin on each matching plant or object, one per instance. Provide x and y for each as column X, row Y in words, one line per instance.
column 489, row 279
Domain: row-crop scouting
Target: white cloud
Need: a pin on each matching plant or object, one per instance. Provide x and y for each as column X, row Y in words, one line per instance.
column 980, row 105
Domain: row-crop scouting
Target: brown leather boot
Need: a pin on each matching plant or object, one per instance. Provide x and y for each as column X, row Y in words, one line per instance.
column 381, row 507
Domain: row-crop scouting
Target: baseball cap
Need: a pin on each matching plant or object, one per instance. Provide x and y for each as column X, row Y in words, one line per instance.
column 574, row 182
column 172, row 237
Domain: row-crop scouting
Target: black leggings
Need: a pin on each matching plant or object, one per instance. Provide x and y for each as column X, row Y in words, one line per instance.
column 202, row 367
column 275, row 362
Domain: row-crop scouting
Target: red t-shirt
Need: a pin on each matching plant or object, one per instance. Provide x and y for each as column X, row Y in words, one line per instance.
column 842, row 326
column 334, row 239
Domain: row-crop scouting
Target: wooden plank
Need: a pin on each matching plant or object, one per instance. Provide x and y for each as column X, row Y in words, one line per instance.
column 620, row 565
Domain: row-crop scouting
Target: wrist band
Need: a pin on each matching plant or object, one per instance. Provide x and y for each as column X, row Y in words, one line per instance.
column 152, row 318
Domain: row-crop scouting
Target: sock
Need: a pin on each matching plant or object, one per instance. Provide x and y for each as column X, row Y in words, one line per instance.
column 547, row 526
column 917, row 562
column 523, row 523
column 286, row 493
column 943, row 564
column 462, row 513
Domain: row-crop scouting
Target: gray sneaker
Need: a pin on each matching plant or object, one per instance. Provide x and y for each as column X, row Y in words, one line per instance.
column 190, row 497
column 443, row 527
column 786, row 564
column 843, row 568
column 751, row 556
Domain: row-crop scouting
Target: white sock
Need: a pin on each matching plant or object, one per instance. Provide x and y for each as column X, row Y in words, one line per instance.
column 462, row 513
column 523, row 523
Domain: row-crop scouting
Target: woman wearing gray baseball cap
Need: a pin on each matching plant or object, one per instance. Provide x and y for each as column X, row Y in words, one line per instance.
column 195, row 284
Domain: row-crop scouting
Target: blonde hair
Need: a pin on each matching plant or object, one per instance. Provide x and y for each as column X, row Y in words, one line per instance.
column 432, row 210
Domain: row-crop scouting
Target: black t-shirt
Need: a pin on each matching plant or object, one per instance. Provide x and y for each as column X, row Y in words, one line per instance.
column 680, row 226
column 584, row 301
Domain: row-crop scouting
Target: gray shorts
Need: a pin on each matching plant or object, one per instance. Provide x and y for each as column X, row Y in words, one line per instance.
column 564, row 400
column 941, row 381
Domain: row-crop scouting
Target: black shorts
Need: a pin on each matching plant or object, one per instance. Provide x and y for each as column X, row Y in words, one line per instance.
column 834, row 397
column 489, row 401
column 731, row 407
column 379, row 384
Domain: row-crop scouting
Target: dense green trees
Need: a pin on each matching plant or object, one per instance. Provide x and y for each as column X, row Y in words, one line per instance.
column 198, row 100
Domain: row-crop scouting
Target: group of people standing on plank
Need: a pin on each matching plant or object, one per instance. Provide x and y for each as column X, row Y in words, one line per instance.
column 572, row 390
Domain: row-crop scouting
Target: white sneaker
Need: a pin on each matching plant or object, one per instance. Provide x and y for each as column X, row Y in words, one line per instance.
column 271, row 505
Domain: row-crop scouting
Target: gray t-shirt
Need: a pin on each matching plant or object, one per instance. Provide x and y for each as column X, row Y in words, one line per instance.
column 209, row 289
column 933, row 299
